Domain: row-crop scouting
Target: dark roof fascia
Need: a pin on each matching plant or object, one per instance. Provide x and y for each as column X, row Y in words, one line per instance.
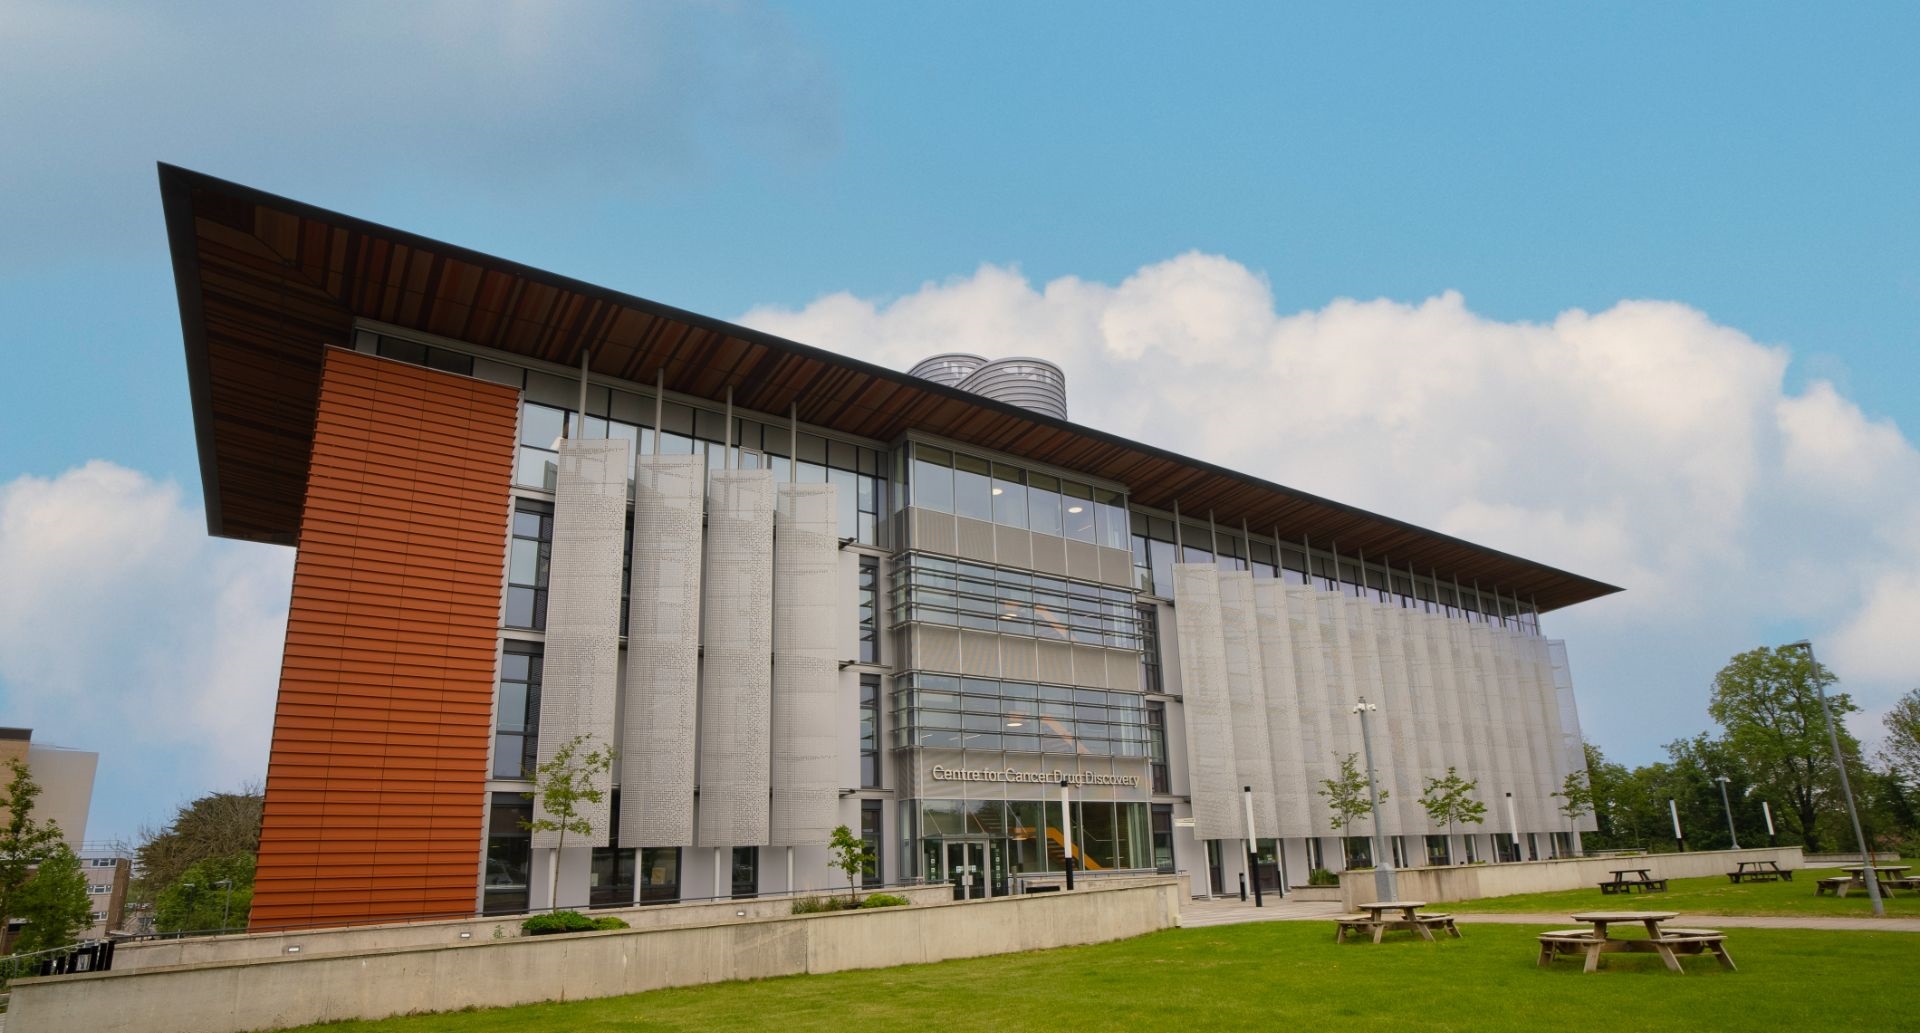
column 176, row 204
column 177, row 185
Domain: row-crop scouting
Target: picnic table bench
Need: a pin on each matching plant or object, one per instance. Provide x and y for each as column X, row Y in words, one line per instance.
column 1760, row 871
column 1669, row 943
column 1375, row 922
column 1888, row 875
column 1642, row 880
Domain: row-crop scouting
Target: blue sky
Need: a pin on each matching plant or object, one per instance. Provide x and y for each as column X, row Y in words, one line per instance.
column 1174, row 190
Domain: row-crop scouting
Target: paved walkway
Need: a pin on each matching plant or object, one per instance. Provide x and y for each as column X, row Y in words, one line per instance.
column 1230, row 911
column 1889, row 925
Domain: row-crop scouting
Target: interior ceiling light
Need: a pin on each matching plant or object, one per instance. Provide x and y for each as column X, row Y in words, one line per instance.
column 999, row 491
column 1073, row 509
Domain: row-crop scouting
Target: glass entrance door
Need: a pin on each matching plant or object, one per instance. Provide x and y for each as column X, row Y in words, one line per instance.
column 966, row 868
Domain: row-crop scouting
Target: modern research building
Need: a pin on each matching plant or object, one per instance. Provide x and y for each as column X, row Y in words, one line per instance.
column 793, row 591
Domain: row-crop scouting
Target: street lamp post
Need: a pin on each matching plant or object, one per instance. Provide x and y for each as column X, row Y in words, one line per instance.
column 226, row 904
column 1731, row 834
column 1066, row 830
column 1513, row 827
column 1253, row 854
column 1383, row 880
column 1846, row 787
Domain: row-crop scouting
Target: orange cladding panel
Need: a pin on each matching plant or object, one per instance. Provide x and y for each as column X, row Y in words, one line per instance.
column 376, row 796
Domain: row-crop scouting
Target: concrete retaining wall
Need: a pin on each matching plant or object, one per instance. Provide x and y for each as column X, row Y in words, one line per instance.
column 1474, row 881
column 275, row 993
column 199, row 950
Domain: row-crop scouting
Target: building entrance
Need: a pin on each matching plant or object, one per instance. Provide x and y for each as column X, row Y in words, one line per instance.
column 975, row 868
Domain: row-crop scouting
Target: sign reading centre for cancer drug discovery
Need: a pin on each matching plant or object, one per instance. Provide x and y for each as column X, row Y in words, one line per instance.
column 942, row 773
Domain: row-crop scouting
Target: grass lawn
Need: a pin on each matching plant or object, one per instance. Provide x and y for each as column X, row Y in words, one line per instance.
column 1282, row 975
column 1709, row 896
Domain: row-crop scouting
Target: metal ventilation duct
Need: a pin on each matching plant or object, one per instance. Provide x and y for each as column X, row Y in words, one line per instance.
column 948, row 368
column 1032, row 384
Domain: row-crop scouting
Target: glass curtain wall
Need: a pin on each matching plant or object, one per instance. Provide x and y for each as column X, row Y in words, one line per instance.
column 1107, row 836
column 951, row 481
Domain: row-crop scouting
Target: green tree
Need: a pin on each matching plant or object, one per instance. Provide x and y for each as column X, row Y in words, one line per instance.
column 217, row 825
column 1902, row 749
column 198, row 902
column 1613, row 809
column 1767, row 702
column 1347, row 796
column 1576, row 799
column 563, row 786
column 1450, row 801
column 24, row 842
column 851, row 855
column 54, row 904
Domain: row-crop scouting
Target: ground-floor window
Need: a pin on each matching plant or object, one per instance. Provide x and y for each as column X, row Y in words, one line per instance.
column 1359, row 852
column 870, row 835
column 1533, row 846
column 660, row 875
column 1269, row 866
column 1316, row 853
column 1398, row 850
column 1162, row 821
column 1563, row 844
column 1106, row 836
column 746, row 871
column 509, row 854
column 1472, row 851
column 1506, row 848
column 1437, row 852
column 610, row 880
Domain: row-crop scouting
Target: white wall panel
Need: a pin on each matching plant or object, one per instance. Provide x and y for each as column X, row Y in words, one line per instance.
column 657, row 741
column 583, row 611
column 1246, row 694
column 806, row 624
column 1209, row 724
column 1280, row 680
column 737, row 672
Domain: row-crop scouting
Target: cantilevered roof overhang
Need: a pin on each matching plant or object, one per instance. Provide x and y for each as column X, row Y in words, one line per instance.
column 266, row 283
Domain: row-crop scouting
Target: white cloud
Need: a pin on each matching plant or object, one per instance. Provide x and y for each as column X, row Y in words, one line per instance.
column 1644, row 445
column 126, row 630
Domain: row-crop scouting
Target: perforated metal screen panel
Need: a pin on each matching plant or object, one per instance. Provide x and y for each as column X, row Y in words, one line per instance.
column 736, row 679
column 583, row 613
column 663, row 652
column 807, row 620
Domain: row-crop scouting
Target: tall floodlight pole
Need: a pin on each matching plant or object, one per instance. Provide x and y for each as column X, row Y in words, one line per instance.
column 1383, row 880
column 1735, row 836
column 1846, row 787
column 1253, row 854
column 1513, row 827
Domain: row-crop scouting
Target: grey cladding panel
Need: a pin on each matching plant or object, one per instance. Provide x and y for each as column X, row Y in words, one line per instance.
column 663, row 653
column 583, row 610
column 806, row 623
column 1209, row 721
column 737, row 671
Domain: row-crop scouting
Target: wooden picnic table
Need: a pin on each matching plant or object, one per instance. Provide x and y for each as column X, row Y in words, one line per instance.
column 1759, row 871
column 1378, row 921
column 1664, row 941
column 1888, row 875
column 1643, row 880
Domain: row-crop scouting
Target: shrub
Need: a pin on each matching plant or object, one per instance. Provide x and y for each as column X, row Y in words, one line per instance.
column 1322, row 877
column 817, row 905
column 568, row 922
column 884, row 900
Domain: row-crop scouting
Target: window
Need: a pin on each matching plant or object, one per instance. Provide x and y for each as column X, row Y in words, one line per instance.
column 746, row 871
column 1079, row 518
column 869, row 609
column 932, row 483
column 1437, row 853
column 660, row 875
column 870, row 731
column 1394, row 847
column 1157, row 746
column 529, row 556
column 955, row 593
column 871, row 875
column 1009, row 495
column 98, row 888
column 968, row 486
column 1359, row 852
column 517, row 728
column 509, row 854
column 1472, row 853
column 1163, row 837
column 945, row 711
column 1316, row 853
column 1149, row 617
column 972, row 487
column 611, row 868
column 424, row 355
column 541, row 428
column 101, row 862
column 1043, row 504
